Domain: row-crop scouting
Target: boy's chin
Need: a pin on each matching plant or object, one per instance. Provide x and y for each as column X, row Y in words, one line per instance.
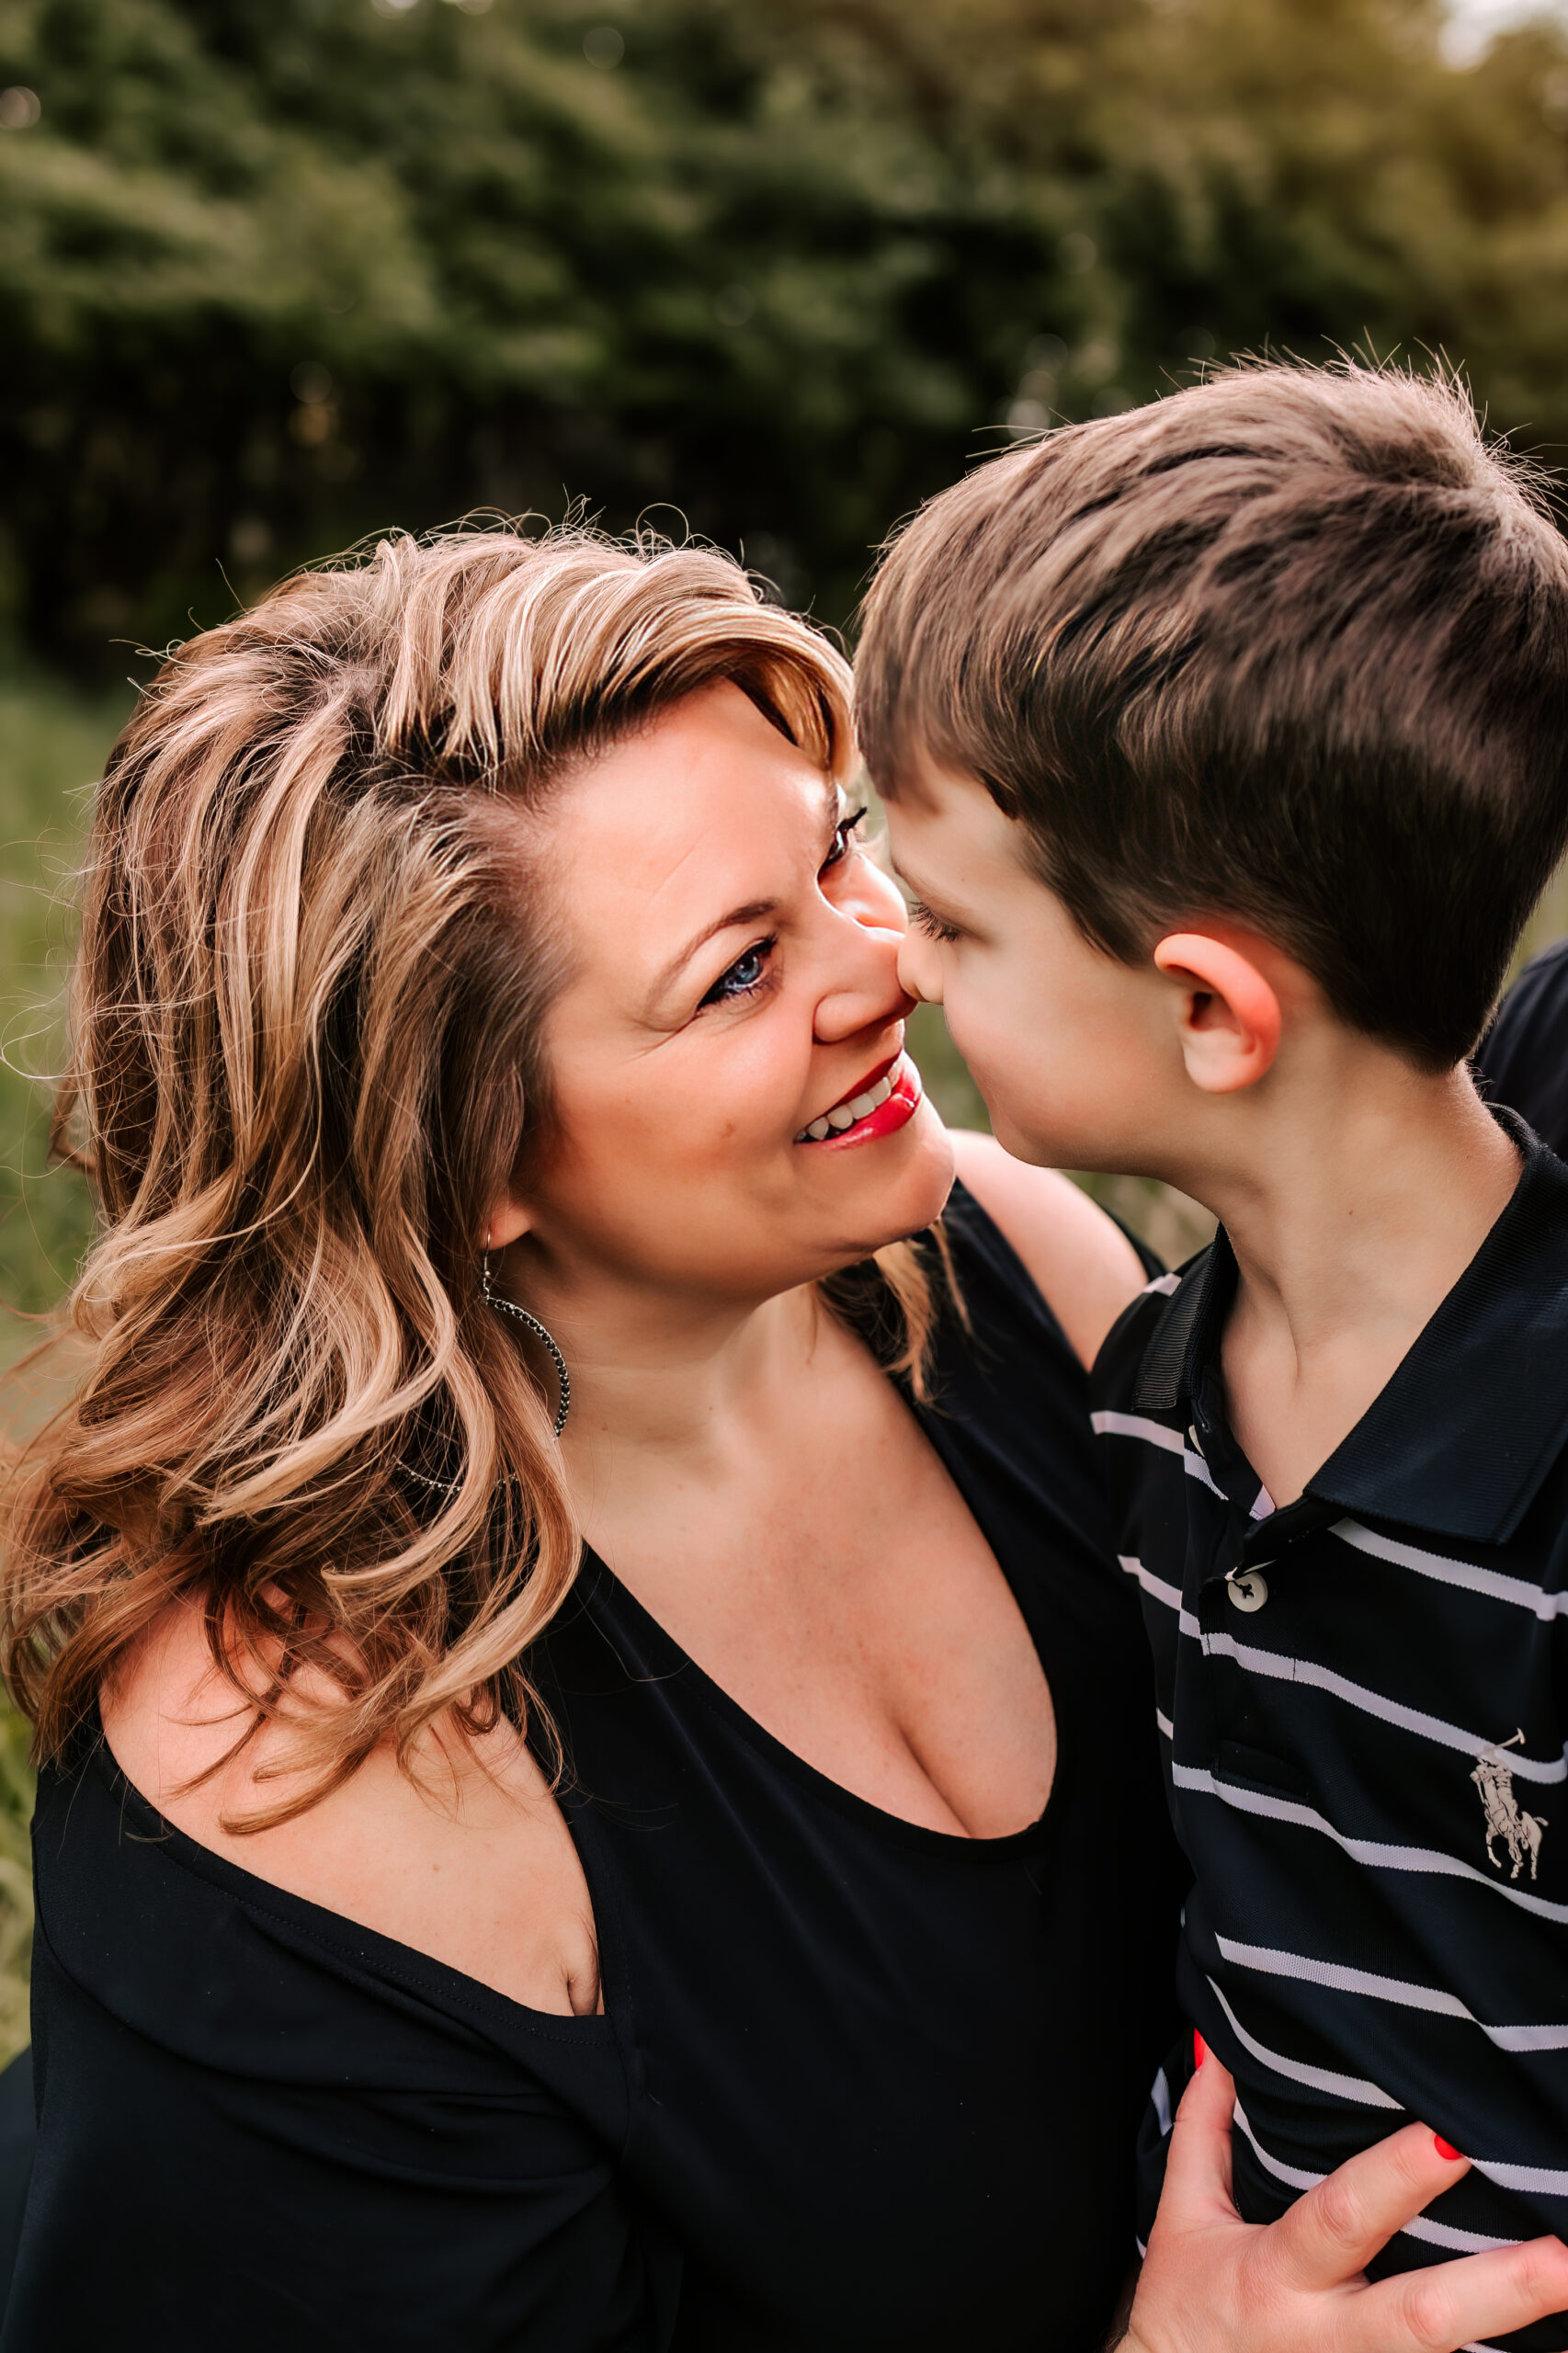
column 1030, row 1140
column 1057, row 1142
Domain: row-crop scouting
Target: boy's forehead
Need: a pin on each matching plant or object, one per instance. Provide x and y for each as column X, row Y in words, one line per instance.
column 914, row 777
column 944, row 824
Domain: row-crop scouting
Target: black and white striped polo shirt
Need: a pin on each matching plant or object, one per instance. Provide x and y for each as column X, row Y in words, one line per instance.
column 1364, row 1699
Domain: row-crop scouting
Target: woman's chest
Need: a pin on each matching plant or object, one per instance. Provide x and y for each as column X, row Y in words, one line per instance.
column 850, row 1604
column 865, row 2126
column 888, row 2079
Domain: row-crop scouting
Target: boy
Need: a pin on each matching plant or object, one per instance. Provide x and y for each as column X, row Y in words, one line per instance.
column 1225, row 744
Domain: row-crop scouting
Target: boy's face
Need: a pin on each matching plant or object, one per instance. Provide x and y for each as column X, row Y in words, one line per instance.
column 1075, row 1053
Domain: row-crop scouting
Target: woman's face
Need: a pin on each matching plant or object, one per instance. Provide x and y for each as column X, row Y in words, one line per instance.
column 732, row 1113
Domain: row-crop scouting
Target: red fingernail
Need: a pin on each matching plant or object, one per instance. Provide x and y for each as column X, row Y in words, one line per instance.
column 1448, row 2151
column 1200, row 2049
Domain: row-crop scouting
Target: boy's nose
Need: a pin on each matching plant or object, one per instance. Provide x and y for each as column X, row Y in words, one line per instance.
column 919, row 967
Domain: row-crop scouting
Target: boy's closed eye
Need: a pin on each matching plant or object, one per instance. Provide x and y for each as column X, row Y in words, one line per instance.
column 934, row 925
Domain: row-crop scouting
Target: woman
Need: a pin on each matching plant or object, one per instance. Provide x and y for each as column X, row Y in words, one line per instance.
column 598, row 1787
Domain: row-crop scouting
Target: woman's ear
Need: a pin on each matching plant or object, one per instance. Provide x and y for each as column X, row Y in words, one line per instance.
column 1227, row 1014
column 509, row 1221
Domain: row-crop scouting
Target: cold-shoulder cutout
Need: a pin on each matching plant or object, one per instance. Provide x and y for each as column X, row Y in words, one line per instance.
column 470, row 1864
column 263, row 2125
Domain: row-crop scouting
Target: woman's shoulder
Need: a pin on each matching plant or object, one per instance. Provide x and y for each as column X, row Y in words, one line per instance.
column 217, row 2047
column 466, row 1860
column 1077, row 1257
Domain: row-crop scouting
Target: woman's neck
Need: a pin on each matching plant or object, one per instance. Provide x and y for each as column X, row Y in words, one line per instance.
column 673, row 1380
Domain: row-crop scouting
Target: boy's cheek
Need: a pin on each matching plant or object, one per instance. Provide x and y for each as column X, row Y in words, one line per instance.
column 1056, row 1097
column 1012, row 1071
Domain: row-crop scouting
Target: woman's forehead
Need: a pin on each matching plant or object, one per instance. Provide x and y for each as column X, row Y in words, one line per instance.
column 709, row 814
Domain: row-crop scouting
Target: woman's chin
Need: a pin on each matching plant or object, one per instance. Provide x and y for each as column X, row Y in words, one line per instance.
column 900, row 1183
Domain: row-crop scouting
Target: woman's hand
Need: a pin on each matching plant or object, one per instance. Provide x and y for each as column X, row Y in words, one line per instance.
column 1212, row 2283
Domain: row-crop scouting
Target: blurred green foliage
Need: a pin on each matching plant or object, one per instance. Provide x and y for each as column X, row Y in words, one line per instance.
column 53, row 742
column 16, row 1885
column 274, row 272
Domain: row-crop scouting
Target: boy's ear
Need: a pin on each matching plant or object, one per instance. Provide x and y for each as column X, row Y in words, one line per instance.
column 1227, row 1014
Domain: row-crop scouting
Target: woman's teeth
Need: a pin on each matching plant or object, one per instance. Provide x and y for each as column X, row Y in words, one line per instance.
column 844, row 1115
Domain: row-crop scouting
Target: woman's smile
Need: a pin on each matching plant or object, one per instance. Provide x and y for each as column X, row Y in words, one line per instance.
column 884, row 1101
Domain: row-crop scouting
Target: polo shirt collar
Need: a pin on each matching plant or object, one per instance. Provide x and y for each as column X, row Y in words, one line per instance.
column 1459, row 1438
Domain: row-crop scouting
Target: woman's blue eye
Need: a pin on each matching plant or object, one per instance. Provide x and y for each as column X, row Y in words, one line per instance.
column 746, row 973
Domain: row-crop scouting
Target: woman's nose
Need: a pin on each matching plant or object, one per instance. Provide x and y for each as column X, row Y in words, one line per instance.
column 865, row 991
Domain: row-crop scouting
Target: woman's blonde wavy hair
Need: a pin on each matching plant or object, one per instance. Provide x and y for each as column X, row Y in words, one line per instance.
column 306, row 1012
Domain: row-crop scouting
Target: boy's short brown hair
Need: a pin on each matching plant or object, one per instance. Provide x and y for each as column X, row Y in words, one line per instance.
column 1291, row 646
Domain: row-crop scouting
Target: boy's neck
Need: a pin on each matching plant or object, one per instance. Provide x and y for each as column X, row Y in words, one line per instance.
column 1350, row 1224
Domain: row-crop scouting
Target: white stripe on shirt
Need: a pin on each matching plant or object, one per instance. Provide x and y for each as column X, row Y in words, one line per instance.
column 1490, row 1582
column 1151, row 1584
column 1321, row 2080
column 1159, row 1591
column 1438, row 1565
column 1156, row 1434
column 1372, row 1852
column 1435, row 2233
column 1283, row 1668
column 1338, row 1978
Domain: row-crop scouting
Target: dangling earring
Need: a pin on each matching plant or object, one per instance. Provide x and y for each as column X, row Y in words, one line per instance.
column 509, row 1307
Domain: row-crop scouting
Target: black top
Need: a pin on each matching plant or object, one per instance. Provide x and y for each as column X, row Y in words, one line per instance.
column 1364, row 1699
column 860, row 2085
column 1523, row 1059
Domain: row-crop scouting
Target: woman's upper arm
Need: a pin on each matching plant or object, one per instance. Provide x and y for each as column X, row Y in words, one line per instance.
column 281, row 2130
column 468, row 1860
column 1084, row 1266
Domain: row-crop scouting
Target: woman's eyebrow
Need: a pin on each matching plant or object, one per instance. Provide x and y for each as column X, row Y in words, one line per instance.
column 754, row 911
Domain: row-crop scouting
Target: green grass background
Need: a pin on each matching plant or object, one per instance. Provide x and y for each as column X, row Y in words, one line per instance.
column 52, row 741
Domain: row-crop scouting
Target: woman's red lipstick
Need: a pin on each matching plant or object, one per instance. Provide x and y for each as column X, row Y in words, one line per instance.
column 896, row 1108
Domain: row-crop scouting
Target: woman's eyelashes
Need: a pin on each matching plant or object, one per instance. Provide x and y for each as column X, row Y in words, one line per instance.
column 920, row 916
column 746, row 977
column 843, row 838
column 750, row 973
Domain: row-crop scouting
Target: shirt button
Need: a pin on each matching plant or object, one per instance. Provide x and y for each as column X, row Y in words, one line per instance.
column 1249, row 1590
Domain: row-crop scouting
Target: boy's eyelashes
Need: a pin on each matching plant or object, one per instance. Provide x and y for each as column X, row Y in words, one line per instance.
column 935, row 927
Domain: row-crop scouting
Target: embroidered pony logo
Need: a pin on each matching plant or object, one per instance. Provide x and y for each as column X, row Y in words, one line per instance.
column 1519, row 1832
